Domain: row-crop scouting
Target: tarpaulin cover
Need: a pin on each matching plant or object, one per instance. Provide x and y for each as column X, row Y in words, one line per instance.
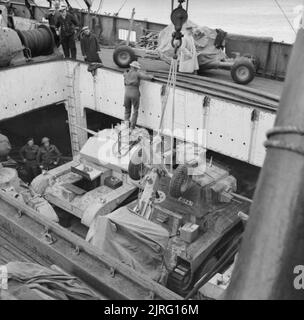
column 30, row 281
column 204, row 40
column 131, row 239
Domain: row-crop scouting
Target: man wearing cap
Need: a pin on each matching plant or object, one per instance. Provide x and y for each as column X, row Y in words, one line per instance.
column 67, row 23
column 132, row 79
column 48, row 156
column 28, row 154
column 51, row 17
column 89, row 46
column 188, row 62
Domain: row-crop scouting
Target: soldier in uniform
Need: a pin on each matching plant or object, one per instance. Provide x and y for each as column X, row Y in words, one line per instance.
column 48, row 156
column 28, row 154
column 132, row 78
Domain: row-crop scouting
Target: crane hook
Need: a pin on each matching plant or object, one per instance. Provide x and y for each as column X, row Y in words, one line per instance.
column 178, row 17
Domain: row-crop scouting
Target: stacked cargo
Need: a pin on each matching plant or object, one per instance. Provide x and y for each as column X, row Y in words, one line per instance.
column 149, row 41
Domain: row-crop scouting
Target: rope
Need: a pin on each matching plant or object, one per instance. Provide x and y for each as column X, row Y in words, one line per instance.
column 80, row 6
column 100, row 5
column 276, row 144
column 282, row 10
column 121, row 7
column 285, row 130
column 174, row 62
column 165, row 100
column 171, row 83
column 283, row 145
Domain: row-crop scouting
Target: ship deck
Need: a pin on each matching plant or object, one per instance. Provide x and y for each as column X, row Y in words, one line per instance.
column 265, row 85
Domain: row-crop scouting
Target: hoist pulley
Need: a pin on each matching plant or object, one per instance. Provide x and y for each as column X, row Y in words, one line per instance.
column 178, row 17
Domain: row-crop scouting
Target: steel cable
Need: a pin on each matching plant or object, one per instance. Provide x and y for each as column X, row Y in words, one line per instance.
column 39, row 41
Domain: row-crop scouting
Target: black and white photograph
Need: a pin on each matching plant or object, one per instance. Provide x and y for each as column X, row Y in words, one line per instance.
column 151, row 151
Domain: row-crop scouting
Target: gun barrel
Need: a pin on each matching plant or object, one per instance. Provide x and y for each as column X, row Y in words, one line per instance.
column 82, row 128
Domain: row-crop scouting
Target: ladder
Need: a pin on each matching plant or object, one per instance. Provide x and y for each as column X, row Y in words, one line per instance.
column 71, row 108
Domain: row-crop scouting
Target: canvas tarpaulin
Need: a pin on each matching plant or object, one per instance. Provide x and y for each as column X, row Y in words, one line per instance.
column 204, row 38
column 30, row 281
column 132, row 240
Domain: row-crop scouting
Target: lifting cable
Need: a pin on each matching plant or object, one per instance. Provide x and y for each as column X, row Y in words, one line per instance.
column 285, row 15
column 174, row 71
column 99, row 6
column 178, row 17
column 117, row 13
column 169, row 85
column 79, row 5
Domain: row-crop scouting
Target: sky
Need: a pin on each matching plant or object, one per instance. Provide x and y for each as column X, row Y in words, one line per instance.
column 248, row 17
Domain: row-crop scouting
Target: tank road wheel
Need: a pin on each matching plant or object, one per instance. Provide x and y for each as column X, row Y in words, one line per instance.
column 242, row 71
column 179, row 182
column 123, row 56
column 137, row 168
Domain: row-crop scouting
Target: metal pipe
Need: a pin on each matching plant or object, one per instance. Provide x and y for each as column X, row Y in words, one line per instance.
column 82, row 128
column 130, row 26
column 273, row 242
column 240, row 197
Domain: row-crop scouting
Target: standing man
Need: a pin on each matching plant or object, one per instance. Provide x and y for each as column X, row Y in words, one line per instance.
column 67, row 23
column 132, row 79
column 188, row 62
column 48, row 156
column 28, row 154
column 52, row 18
column 89, row 46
